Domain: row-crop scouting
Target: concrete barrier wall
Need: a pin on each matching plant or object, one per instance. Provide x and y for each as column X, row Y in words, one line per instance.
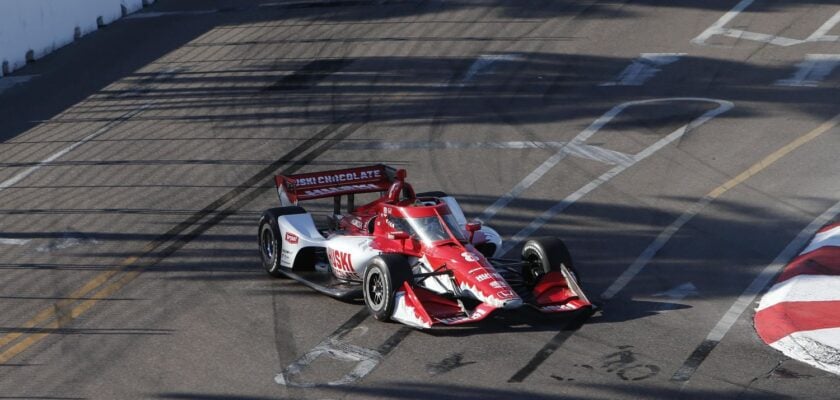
column 31, row 29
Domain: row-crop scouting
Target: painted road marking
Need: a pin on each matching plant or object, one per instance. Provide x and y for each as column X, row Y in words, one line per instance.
column 675, row 226
column 679, row 292
column 546, row 216
column 812, row 70
column 643, row 68
column 483, row 64
column 13, row 242
column 719, row 28
column 684, row 373
column 675, row 295
column 67, row 240
column 11, row 81
column 127, row 274
column 29, row 171
column 335, row 347
column 163, row 75
column 579, row 150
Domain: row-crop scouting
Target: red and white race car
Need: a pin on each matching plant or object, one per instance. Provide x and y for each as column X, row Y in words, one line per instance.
column 413, row 258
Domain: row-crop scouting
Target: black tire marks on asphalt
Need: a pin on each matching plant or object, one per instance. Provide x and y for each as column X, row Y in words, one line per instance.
column 448, row 364
column 623, row 363
column 568, row 329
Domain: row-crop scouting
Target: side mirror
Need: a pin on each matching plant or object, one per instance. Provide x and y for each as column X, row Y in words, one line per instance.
column 398, row 235
column 473, row 227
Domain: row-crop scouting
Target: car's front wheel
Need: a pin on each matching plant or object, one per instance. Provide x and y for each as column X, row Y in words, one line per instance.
column 544, row 255
column 383, row 277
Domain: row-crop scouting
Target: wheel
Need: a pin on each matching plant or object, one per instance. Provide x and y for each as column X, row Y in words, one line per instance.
column 432, row 194
column 268, row 238
column 383, row 277
column 270, row 248
column 545, row 255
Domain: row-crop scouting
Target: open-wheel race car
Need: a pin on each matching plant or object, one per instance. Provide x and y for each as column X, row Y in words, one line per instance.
column 412, row 257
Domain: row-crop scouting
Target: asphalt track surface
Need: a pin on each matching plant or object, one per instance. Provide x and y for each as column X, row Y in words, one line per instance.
column 136, row 163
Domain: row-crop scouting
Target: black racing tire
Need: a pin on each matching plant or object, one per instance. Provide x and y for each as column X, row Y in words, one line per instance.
column 384, row 275
column 544, row 255
column 432, row 194
column 269, row 240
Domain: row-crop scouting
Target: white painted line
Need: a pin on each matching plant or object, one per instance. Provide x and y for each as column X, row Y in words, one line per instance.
column 14, row 242
column 675, row 295
column 643, row 68
column 679, row 292
column 830, row 237
column 546, row 216
column 548, row 164
column 760, row 282
column 481, row 64
column 158, row 14
column 821, row 34
column 717, row 27
column 802, row 287
column 811, row 71
column 761, row 37
column 675, row 226
column 11, row 81
column 585, row 151
column 165, row 74
column 366, row 360
column 29, row 171
column 643, row 259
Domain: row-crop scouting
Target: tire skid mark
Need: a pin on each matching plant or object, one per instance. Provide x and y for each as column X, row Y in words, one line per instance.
column 129, row 268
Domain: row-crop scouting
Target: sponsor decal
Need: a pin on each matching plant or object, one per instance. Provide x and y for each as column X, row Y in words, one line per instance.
column 474, row 270
column 340, row 189
column 357, row 223
column 483, row 277
column 344, row 177
column 470, row 257
column 341, row 262
column 477, row 314
column 559, row 307
column 292, row 238
column 506, row 294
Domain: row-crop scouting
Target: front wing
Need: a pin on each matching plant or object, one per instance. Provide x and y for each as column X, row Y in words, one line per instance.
column 557, row 292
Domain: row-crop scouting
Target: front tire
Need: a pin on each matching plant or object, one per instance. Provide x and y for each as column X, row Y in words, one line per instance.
column 545, row 255
column 383, row 277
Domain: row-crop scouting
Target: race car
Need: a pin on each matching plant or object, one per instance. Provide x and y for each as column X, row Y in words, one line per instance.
column 412, row 257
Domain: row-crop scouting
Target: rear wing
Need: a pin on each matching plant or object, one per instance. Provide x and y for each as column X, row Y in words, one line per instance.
column 316, row 185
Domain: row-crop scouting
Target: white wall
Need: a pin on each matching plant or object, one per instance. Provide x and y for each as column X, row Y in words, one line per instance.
column 38, row 27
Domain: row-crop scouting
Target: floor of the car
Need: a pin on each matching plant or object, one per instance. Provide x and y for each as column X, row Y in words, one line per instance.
column 327, row 284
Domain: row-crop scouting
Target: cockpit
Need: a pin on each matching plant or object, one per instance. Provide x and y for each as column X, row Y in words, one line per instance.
column 430, row 229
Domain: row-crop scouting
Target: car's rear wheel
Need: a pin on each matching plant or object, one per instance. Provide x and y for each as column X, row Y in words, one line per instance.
column 544, row 255
column 384, row 275
column 270, row 247
column 269, row 240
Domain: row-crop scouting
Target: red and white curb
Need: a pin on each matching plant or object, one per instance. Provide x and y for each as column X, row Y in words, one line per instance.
column 800, row 314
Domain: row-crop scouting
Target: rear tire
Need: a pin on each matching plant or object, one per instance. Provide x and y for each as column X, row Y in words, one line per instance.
column 384, row 276
column 268, row 238
column 544, row 255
